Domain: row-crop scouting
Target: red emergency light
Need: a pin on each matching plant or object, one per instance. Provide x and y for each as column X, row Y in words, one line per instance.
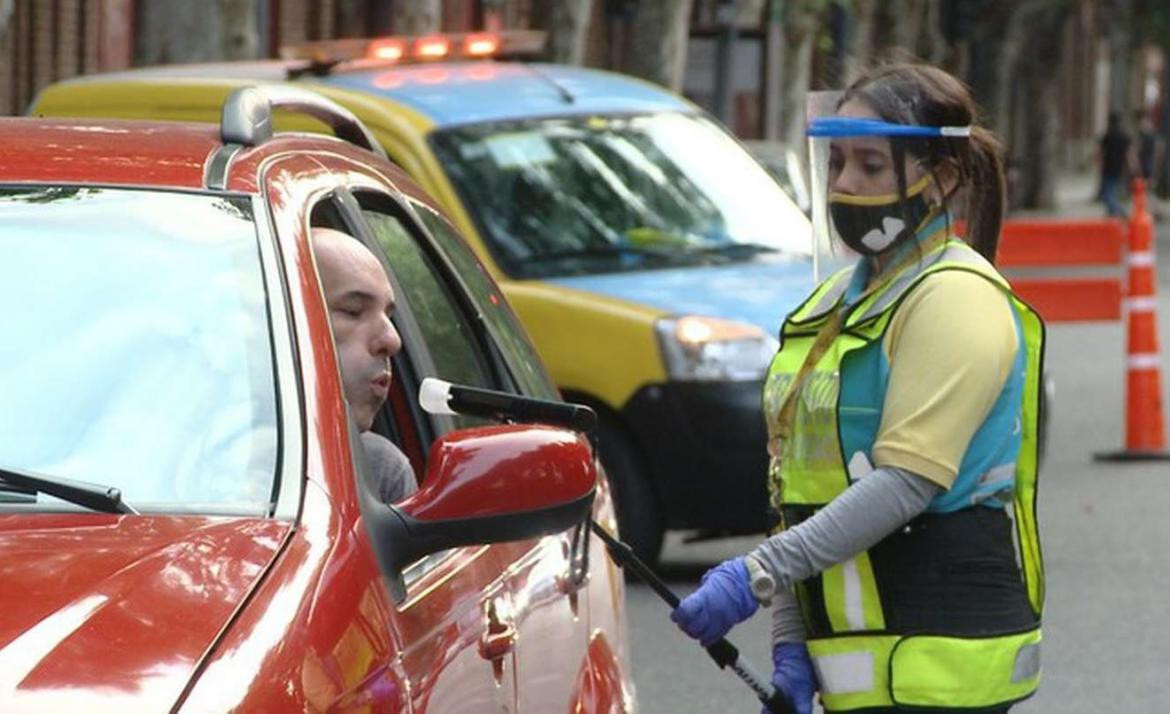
column 432, row 47
column 400, row 49
column 389, row 49
column 481, row 45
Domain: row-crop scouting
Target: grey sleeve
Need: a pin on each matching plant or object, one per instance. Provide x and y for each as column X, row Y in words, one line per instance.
column 388, row 471
column 869, row 510
column 787, row 623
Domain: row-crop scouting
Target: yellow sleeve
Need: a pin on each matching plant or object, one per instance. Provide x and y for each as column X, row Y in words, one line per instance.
column 950, row 347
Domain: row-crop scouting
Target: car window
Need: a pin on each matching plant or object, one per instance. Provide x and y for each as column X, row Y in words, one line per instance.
column 138, row 350
column 450, row 338
column 594, row 194
column 523, row 362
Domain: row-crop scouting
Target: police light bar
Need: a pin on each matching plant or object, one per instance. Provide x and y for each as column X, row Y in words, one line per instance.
column 401, row 49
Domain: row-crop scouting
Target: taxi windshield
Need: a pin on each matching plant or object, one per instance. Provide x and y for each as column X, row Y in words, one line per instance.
column 571, row 196
column 136, row 350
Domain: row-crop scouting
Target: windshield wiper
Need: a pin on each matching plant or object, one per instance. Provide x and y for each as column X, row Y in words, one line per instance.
column 736, row 249
column 106, row 499
column 603, row 251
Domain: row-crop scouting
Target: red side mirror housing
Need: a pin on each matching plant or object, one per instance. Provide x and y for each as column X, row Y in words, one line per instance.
column 487, row 485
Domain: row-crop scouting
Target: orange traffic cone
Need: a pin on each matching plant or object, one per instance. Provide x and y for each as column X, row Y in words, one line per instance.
column 1145, row 433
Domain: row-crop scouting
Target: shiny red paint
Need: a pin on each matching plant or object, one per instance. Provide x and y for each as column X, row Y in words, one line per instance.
column 503, row 468
column 209, row 615
column 164, row 154
column 316, row 632
column 326, row 599
column 599, row 685
column 86, row 596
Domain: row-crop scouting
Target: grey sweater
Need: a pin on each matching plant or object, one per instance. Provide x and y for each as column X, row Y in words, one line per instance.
column 882, row 501
column 388, row 471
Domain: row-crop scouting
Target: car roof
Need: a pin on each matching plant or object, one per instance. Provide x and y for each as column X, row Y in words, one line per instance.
column 453, row 93
column 163, row 154
column 447, row 93
column 170, row 154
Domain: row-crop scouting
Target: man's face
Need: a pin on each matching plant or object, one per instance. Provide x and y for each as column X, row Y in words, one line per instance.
column 360, row 302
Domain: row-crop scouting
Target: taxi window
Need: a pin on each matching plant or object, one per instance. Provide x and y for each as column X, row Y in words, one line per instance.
column 525, row 365
column 595, row 194
column 139, row 347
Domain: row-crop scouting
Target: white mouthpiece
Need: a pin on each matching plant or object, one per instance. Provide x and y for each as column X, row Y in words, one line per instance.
column 433, row 394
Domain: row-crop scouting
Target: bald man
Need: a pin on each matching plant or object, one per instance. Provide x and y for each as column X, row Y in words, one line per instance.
column 360, row 302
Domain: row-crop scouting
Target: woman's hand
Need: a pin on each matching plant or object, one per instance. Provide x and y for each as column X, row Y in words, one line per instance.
column 723, row 600
column 792, row 674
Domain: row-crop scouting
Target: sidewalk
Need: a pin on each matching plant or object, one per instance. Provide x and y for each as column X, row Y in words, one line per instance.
column 1076, row 197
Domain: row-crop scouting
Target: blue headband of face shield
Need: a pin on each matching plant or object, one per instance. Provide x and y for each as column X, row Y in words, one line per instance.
column 853, row 126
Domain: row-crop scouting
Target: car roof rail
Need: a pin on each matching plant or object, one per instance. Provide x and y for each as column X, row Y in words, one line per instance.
column 247, row 116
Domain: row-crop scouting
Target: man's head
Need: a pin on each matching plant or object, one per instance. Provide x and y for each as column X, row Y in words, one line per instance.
column 360, row 302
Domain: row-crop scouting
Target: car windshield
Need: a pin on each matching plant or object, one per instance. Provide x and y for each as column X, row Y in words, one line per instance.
column 569, row 196
column 136, row 350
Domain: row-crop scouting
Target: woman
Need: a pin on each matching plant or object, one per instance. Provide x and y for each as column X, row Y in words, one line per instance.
column 902, row 416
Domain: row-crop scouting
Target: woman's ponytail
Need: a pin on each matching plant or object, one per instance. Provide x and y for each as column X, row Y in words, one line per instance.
column 987, row 194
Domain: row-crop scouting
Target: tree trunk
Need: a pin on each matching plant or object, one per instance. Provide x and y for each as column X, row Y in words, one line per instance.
column 416, row 17
column 567, row 25
column 862, row 55
column 908, row 31
column 656, row 41
column 801, row 22
column 932, row 46
column 351, row 18
column 1002, row 42
column 1120, row 56
column 176, row 31
column 1038, row 153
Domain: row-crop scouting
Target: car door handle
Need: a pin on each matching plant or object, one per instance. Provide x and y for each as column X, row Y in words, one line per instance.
column 499, row 638
column 494, row 645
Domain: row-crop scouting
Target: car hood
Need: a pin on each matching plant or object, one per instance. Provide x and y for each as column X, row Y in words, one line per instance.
column 759, row 292
column 113, row 613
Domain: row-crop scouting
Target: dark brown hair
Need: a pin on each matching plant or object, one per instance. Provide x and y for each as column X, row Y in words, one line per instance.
column 927, row 96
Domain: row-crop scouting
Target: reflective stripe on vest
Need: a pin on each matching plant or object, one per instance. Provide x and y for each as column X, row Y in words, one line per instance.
column 861, row 671
column 811, row 468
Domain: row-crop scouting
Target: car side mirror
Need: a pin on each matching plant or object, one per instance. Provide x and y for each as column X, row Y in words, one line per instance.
column 486, row 485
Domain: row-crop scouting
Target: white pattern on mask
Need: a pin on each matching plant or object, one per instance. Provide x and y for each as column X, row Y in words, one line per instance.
column 879, row 239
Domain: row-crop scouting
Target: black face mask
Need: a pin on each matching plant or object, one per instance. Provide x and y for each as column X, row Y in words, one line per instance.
column 871, row 225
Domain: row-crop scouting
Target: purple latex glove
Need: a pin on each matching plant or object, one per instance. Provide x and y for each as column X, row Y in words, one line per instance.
column 723, row 600
column 792, row 673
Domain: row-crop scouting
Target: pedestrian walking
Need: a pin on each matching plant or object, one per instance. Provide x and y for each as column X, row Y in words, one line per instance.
column 902, row 411
column 1149, row 147
column 1115, row 160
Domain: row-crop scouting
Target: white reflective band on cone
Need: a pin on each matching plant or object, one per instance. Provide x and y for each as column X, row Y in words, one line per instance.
column 845, row 673
column 1144, row 361
column 1141, row 304
column 1141, row 259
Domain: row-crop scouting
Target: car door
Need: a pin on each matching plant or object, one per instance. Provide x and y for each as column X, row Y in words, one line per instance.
column 546, row 575
column 456, row 625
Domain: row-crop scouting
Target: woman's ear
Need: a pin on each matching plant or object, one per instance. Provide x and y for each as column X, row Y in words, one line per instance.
column 946, row 177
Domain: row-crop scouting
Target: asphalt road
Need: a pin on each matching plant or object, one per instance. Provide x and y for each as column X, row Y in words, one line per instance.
column 1105, row 530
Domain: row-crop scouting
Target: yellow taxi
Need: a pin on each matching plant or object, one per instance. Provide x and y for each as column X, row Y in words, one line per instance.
column 649, row 256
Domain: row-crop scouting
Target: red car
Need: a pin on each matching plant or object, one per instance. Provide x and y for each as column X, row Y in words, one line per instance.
column 165, row 336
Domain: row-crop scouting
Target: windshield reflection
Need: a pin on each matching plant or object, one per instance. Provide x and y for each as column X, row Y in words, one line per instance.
column 598, row 194
column 140, row 346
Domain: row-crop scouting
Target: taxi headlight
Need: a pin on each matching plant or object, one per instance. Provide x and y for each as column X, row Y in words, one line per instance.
column 700, row 348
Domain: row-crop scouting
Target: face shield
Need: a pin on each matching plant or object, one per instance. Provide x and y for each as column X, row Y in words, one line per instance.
column 860, row 206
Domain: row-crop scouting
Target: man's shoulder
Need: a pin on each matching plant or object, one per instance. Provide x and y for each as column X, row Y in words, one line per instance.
column 375, row 443
column 392, row 476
